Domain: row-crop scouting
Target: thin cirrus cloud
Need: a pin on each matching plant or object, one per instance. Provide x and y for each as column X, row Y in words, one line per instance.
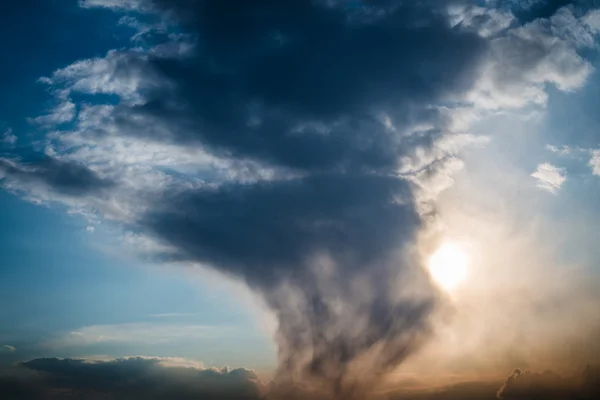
column 244, row 141
column 139, row 333
column 8, row 138
column 7, row 348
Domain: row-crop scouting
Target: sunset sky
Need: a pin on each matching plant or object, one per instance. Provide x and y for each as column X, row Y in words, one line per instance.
column 303, row 199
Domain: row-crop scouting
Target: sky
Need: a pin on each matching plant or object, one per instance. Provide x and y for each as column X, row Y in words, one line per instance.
column 310, row 199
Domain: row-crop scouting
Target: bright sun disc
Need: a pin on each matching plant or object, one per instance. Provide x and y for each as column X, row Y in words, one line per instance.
column 448, row 266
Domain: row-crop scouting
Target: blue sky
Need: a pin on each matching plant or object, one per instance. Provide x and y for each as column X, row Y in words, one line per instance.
column 56, row 282
column 264, row 185
column 56, row 276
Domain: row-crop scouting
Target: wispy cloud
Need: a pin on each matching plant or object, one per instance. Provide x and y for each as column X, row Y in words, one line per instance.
column 7, row 348
column 8, row 138
column 265, row 133
column 594, row 162
column 172, row 315
column 129, row 5
column 134, row 378
column 141, row 333
column 62, row 113
column 550, row 177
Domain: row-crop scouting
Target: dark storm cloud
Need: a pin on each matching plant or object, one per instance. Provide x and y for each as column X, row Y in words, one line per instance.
column 333, row 91
column 333, row 94
column 62, row 176
column 270, row 230
column 131, row 378
column 273, row 232
column 305, row 84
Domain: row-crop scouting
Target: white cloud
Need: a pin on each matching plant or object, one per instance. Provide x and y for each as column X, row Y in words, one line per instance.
column 437, row 178
column 486, row 22
column 550, row 177
column 128, row 377
column 592, row 20
column 126, row 74
column 7, row 349
column 584, row 155
column 167, row 362
column 63, row 113
column 567, row 26
column 522, row 62
column 8, row 137
column 127, row 5
column 562, row 150
column 142, row 29
column 140, row 333
column 446, row 147
column 594, row 162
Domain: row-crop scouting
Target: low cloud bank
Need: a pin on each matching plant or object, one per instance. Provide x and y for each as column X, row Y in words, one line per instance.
column 165, row 378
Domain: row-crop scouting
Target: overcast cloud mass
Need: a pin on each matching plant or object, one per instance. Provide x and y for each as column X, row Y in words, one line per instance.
column 300, row 147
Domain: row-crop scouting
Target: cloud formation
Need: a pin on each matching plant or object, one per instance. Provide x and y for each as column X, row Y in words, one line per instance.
column 127, row 378
column 7, row 348
column 138, row 333
column 8, row 138
column 550, row 177
column 62, row 176
column 173, row 378
column 594, row 162
column 291, row 145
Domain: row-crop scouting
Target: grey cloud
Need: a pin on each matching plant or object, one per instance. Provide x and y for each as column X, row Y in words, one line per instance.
column 62, row 113
column 129, row 5
column 61, row 176
column 265, row 85
column 129, row 378
column 270, row 230
column 485, row 21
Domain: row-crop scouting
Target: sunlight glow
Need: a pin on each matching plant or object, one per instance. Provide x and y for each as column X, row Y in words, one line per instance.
column 448, row 266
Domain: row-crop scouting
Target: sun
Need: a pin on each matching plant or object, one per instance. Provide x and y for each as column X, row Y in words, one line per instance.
column 448, row 266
